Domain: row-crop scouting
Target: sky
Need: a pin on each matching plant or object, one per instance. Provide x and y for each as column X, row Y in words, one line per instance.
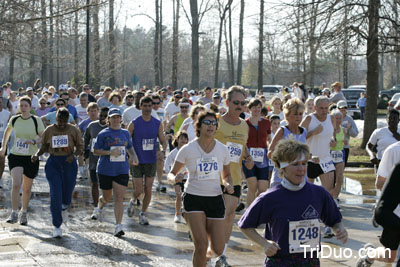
column 133, row 13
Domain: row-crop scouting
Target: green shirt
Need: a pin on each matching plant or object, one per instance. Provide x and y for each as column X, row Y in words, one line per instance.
column 339, row 140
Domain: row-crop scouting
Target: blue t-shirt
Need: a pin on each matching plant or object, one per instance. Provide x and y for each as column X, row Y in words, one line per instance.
column 84, row 124
column 361, row 102
column 72, row 111
column 279, row 206
column 144, row 139
column 105, row 140
column 51, row 117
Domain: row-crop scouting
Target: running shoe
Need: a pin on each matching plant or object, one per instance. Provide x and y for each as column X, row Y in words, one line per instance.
column 23, row 220
column 1, row 183
column 138, row 202
column 221, row 262
column 327, row 232
column 363, row 260
column 131, row 208
column 57, row 233
column 118, row 232
column 178, row 219
column 142, row 219
column 13, row 218
column 95, row 214
column 240, row 207
column 100, row 215
column 160, row 188
column 64, row 215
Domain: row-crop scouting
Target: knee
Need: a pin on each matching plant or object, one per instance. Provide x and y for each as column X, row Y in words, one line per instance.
column 217, row 248
column 201, row 246
column 16, row 185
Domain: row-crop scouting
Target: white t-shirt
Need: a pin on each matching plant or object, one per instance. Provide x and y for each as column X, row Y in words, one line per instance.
column 82, row 113
column 14, row 106
column 169, row 162
column 35, row 102
column 132, row 113
column 383, row 138
column 4, row 116
column 390, row 158
column 204, row 168
column 171, row 109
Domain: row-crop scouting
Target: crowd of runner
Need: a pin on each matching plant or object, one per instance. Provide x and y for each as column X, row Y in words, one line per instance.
column 211, row 144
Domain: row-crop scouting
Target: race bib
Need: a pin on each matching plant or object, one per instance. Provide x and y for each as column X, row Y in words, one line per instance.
column 235, row 151
column 21, row 147
column 327, row 166
column 148, row 144
column 304, row 235
column 271, row 163
column 121, row 157
column 92, row 145
column 207, row 168
column 257, row 154
column 337, row 156
column 59, row 141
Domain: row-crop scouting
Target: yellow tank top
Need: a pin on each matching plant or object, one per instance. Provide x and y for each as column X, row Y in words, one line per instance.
column 235, row 138
column 178, row 123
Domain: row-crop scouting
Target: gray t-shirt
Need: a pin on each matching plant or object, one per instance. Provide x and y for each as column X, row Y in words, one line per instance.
column 206, row 100
column 102, row 102
column 89, row 137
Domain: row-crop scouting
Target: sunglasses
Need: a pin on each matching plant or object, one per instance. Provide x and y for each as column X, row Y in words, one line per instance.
column 156, row 103
column 184, row 106
column 210, row 122
column 237, row 102
column 86, row 88
column 178, row 96
column 60, row 104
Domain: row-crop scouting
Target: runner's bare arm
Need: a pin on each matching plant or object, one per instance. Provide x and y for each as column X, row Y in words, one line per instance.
column 270, row 247
column 277, row 137
column 172, row 175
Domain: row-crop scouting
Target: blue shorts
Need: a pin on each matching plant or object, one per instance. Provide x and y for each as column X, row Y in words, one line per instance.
column 259, row 173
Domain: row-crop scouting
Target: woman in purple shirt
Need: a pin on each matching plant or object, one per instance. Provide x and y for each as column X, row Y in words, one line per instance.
column 292, row 212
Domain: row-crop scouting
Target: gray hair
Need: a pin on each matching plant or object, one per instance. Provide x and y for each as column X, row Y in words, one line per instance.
column 235, row 89
column 336, row 112
column 320, row 99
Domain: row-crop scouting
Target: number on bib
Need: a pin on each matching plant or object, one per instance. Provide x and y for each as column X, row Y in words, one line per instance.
column 148, row 144
column 337, row 156
column 207, row 168
column 304, row 235
column 257, row 154
column 121, row 157
column 235, row 151
column 21, row 147
column 59, row 141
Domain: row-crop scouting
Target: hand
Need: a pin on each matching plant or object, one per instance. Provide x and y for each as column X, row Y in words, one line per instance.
column 2, row 151
column 375, row 161
column 161, row 155
column 346, row 142
column 179, row 178
column 348, row 126
column 271, row 248
column 70, row 158
column 133, row 161
column 332, row 143
column 318, row 130
column 34, row 158
column 115, row 152
column 315, row 159
column 228, row 188
column 29, row 142
column 249, row 162
column 340, row 233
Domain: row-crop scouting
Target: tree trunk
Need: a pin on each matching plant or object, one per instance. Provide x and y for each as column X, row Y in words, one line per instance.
column 76, row 47
column 232, row 68
column 195, row 44
column 240, row 52
column 43, row 73
column 222, row 14
column 156, row 46
column 381, row 71
column 160, row 51
column 372, row 71
column 397, row 48
column 51, row 44
column 345, row 50
column 96, row 47
column 112, row 47
column 11, row 66
column 228, row 57
column 261, row 47
column 58, row 37
column 175, row 44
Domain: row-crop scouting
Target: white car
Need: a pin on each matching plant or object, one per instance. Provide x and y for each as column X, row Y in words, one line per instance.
column 269, row 91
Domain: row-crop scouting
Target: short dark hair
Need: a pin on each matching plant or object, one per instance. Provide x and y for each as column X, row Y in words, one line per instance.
column 146, row 99
column 393, row 111
column 201, row 118
column 255, row 102
column 26, row 99
column 63, row 113
column 179, row 134
column 104, row 109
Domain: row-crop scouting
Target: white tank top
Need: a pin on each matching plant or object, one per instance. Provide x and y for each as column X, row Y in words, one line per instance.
column 319, row 144
column 191, row 132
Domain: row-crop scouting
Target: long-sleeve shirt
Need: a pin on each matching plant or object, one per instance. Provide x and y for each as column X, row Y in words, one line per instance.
column 62, row 142
column 352, row 132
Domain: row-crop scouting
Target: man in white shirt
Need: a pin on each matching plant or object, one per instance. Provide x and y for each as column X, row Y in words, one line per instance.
column 173, row 107
column 390, row 158
column 34, row 99
column 81, row 108
column 134, row 111
column 73, row 97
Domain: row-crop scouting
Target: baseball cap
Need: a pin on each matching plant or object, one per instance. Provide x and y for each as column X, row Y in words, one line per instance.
column 62, row 87
column 192, row 92
column 216, row 95
column 177, row 92
column 342, row 104
column 114, row 112
column 29, row 89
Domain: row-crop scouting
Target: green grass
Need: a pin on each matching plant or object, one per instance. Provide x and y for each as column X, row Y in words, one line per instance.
column 357, row 154
column 382, row 111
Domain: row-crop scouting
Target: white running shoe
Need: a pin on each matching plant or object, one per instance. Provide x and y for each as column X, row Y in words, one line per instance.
column 95, row 214
column 65, row 215
column 178, row 219
column 142, row 219
column 118, row 232
column 131, row 208
column 57, row 233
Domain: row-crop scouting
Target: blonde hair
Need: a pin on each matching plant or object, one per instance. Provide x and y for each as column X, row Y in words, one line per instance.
column 292, row 105
column 288, row 151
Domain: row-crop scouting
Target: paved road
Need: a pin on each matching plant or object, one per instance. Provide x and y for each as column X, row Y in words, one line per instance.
column 162, row 243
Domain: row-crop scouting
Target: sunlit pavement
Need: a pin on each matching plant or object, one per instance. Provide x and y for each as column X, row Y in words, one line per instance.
column 163, row 243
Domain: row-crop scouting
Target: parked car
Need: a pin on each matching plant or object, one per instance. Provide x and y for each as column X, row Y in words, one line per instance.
column 385, row 95
column 269, row 91
column 352, row 95
column 393, row 101
column 364, row 87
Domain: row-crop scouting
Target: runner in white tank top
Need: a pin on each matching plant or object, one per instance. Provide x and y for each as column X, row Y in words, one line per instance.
column 320, row 128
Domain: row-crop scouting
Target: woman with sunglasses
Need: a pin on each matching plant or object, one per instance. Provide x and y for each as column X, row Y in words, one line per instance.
column 43, row 109
column 292, row 212
column 206, row 159
column 50, row 118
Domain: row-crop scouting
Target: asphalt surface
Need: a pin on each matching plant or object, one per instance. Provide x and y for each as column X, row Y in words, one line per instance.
column 163, row 243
